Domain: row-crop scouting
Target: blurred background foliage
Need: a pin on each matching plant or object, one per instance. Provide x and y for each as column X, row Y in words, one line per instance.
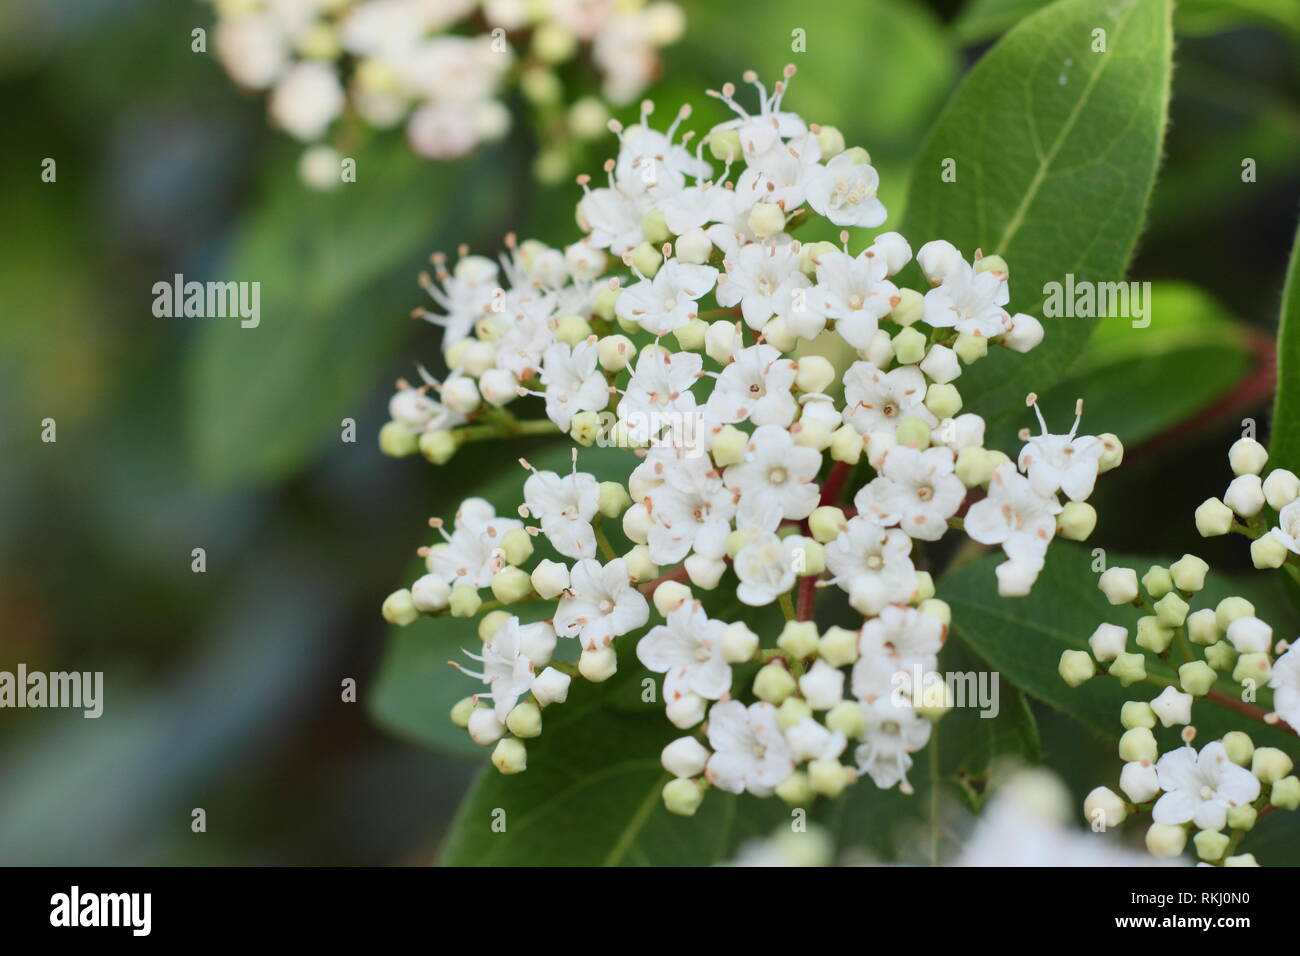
column 223, row 689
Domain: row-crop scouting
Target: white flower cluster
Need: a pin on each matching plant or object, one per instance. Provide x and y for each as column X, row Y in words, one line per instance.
column 1230, row 782
column 745, row 451
column 437, row 65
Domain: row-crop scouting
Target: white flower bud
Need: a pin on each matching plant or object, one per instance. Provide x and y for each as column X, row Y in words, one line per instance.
column 1250, row 635
column 1247, row 457
column 498, row 387
column 1281, row 487
column 766, row 219
column 1107, row 803
column 686, row 710
column 685, row 757
column 1015, row 578
column 694, row 247
column 1026, row 333
column 636, row 524
column 1138, row 744
column 639, row 566
column 430, row 593
column 1213, row 518
column 1188, row 573
column 705, row 573
column 669, row 595
column 1166, row 840
column 1268, row 551
column 1076, row 520
column 551, row 687
column 460, row 394
column 814, row 373
column 823, row 686
column 880, row 349
column 484, row 727
column 1120, row 585
column 1245, row 495
column 1076, row 667
column 896, row 251
column 1173, row 707
column 721, row 341
column 598, row 664
column 549, row 578
column 524, row 720
column 1139, row 782
column 682, row 797
column 510, row 756
column 399, row 608
column 1108, row 642
column 941, row 364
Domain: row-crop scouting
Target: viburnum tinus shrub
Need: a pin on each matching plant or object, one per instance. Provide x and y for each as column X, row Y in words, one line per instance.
column 1220, row 653
column 680, row 330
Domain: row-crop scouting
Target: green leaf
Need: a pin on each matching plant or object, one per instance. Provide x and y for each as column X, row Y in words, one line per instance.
column 1284, row 443
column 337, row 276
column 982, row 20
column 1024, row 637
column 1192, row 353
column 1056, row 149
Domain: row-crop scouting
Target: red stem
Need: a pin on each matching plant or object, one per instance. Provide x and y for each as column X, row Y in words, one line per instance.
column 1249, row 710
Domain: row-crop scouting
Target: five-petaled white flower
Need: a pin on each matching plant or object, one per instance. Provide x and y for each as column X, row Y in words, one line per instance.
column 777, row 477
column 891, row 646
column 915, row 490
column 690, row 499
column 1286, row 687
column 507, row 669
column 688, row 652
column 755, row 386
column 668, row 301
column 1202, row 788
column 1014, row 516
column 865, row 555
column 749, row 750
column 565, row 506
column 969, row 301
column 600, row 604
column 761, row 278
column 844, row 192
column 470, row 553
column 766, row 567
column 658, row 394
column 573, row 382
column 877, row 401
column 855, row 292
column 1062, row 462
column 892, row 734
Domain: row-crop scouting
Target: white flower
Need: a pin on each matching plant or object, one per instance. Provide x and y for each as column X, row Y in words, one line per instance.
column 855, row 291
column 809, row 740
column 600, row 604
column 1201, row 789
column 506, row 668
column 968, row 301
column 892, row 734
column 766, row 568
column 1288, row 526
column 754, row 386
column 866, row 555
column 307, row 99
column 565, row 506
column 762, row 279
column 668, row 301
column 690, row 499
column 612, row 219
column 897, row 642
column 780, row 175
column 916, row 490
column 1014, row 516
column 470, row 554
column 777, row 476
column 688, row 652
column 749, row 750
column 845, row 193
column 1286, row 687
column 253, row 49
column 877, row 401
column 1062, row 462
column 464, row 295
column 659, row 392
column 573, row 382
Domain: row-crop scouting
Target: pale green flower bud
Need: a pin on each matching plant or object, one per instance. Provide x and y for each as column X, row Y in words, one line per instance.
column 694, row 247
column 910, row 309
column 914, row 433
column 1153, row 635
column 1189, row 573
column 1281, row 487
column 825, row 523
column 1267, row 551
column 1138, row 744
column 814, row 558
column 774, row 683
column 1137, row 713
column 795, row 789
column 438, row 446
column 943, row 400
column 1256, row 667
column 1231, row 608
column 1239, row 747
column 778, row 335
column 1202, row 627
column 974, row 466
column 1285, row 793
column 728, row 446
column 639, row 566
column 1243, row 817
column 1197, row 677
column 584, row 428
column 924, row 586
column 814, row 373
column 724, row 144
column 461, row 711
column 859, row 155
column 1076, row 520
column 398, row 441
column 511, row 584
column 1171, row 610
column 1270, row 764
column 615, row 352
column 798, row 639
column 1107, row 803
column 683, row 796
column 1210, row 844
column 838, row 646
column 1120, row 585
column 549, row 579
column 491, row 623
column 969, row 348
column 994, row 264
column 1213, row 518
column 1241, row 859
column 691, row 335
column 830, row 140
column 1222, row 656
column 1129, row 668
column 1076, row 667
column 669, row 595
column 1247, row 457
column 647, row 259
column 399, row 608
column 1112, row 454
column 909, row 346
column 603, row 302
column 525, row 720
column 766, row 219
column 846, row 445
column 655, row 228
column 637, row 523
column 828, row 777
column 846, row 718
column 739, row 643
column 464, row 601
column 516, row 546
column 791, row 711
column 613, row 500
column 810, row 253
column 1157, row 581
column 1165, row 840
column 598, row 664
column 940, row 610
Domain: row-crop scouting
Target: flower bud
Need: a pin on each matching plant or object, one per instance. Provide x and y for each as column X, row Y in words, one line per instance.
column 461, row 711
column 941, row 365
column 484, row 728
column 704, row 573
column 1026, row 333
column 510, row 756
column 830, row 141
column 859, row 155
column 1137, row 713
column 811, row 433
column 1254, row 667
column 1138, row 744
column 728, row 446
column 1231, row 608
column 613, row 499
column 694, row 247
column 766, row 219
column 430, row 593
column 1197, row 677
column 1129, row 668
column 1245, row 495
column 1202, row 628
column 1171, row 610
column 909, row 346
column 974, row 466
column 1173, row 707
column 1106, row 803
column 1120, row 585
column 1139, row 781
column 685, row 710
column 1247, row 457
column 438, row 446
column 795, row 789
column 1076, row 667
column 1165, row 840
column 1188, row 573
column 838, row 646
column 1268, row 551
column 1213, row 518
column 814, row 373
column 793, row 711
column 636, row 524
column 1285, row 793
column 1221, row 655
column 827, row 777
column 683, row 796
column 937, row 609
column 846, row 445
column 822, row 686
column 1157, row 581
column 1239, row 747
column 668, row 595
column 491, row 623
column 1076, row 520
column 399, row 608
column 1112, row 454
column 549, row 578
column 685, row 757
column 1281, row 487
column 516, row 546
column 1249, row 634
column 615, row 352
column 1210, row 844
column 646, row 259
column 910, row 308
column 879, row 350
column 551, row 687
column 943, row 400
column 1108, row 642
column 739, row 643
column 774, row 683
column 598, row 664
column 639, row 566
column 690, row 336
column 914, row 433
column 1153, row 635
column 971, row 348
column 460, row 394
column 798, row 639
column 511, row 584
column 1241, row 859
column 525, row 720
column 1270, row 764
column 1243, row 817
column 572, row 329
column 846, row 718
column 724, row 145
column 398, row 441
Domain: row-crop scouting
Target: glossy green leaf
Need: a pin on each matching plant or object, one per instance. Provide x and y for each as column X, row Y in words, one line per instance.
column 981, row 20
column 1055, row 149
column 1284, row 443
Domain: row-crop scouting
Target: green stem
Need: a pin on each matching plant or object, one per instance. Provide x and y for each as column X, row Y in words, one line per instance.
column 787, row 606
column 602, row 540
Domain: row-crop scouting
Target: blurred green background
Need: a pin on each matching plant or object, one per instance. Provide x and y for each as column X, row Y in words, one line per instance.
column 223, row 689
